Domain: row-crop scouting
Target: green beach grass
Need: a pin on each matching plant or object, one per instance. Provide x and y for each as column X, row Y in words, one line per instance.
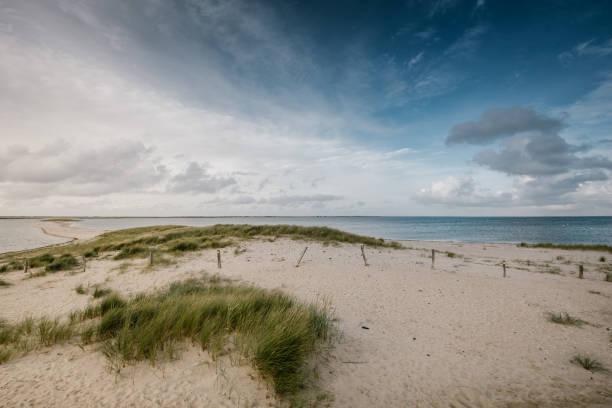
column 176, row 240
column 571, row 247
column 275, row 332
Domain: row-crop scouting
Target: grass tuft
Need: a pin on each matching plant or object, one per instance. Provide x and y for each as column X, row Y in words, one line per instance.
column 132, row 252
column 275, row 331
column 574, row 247
column 588, row 363
column 100, row 292
column 565, row 319
column 608, row 277
column 185, row 246
column 4, row 283
column 5, row 354
column 62, row 263
column 80, row 290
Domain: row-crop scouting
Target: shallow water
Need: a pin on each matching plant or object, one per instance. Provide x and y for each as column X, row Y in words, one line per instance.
column 18, row 234
column 22, row 233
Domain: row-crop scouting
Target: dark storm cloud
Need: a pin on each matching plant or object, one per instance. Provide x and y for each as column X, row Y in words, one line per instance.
column 195, row 179
column 531, row 145
column 495, row 124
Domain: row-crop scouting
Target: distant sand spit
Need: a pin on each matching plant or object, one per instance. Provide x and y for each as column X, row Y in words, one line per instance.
column 68, row 229
column 459, row 335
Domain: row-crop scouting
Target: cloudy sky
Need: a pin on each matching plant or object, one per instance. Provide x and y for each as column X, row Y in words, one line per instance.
column 197, row 107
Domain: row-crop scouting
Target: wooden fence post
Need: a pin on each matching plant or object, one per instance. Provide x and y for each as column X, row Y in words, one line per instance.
column 433, row 258
column 580, row 272
column 365, row 261
column 218, row 259
column 25, row 266
column 84, row 263
column 504, row 266
column 301, row 256
column 151, row 258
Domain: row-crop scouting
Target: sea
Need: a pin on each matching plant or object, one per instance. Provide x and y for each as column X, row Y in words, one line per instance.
column 19, row 233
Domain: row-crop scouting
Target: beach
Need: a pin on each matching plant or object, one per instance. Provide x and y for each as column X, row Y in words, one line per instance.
column 455, row 334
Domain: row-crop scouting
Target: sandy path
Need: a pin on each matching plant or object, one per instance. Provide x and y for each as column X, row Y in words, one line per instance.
column 459, row 335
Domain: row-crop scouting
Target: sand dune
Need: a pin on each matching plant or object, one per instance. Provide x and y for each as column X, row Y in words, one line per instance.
column 459, row 335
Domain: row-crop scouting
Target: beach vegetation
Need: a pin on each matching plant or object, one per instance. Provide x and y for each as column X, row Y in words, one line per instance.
column 608, row 277
column 565, row 319
column 572, row 247
column 273, row 330
column 5, row 354
column 135, row 251
column 588, row 363
column 174, row 239
column 80, row 290
column 62, row 263
column 61, row 220
column 546, row 268
column 92, row 253
column 41, row 260
column 4, row 283
column 451, row 254
column 276, row 333
column 602, row 259
column 15, row 265
column 100, row 292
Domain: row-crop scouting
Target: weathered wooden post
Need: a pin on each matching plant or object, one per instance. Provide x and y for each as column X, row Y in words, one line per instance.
column 504, row 266
column 218, row 259
column 301, row 256
column 25, row 266
column 365, row 261
column 580, row 272
column 151, row 258
column 433, row 258
column 84, row 263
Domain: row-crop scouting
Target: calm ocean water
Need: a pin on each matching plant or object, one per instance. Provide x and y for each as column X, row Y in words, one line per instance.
column 21, row 234
column 18, row 234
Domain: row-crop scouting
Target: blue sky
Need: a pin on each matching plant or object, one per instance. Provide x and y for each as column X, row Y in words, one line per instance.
column 442, row 107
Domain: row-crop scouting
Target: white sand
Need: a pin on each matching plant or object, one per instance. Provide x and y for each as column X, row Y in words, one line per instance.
column 457, row 336
column 68, row 229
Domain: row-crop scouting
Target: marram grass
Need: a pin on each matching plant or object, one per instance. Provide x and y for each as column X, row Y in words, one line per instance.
column 277, row 333
column 565, row 319
column 175, row 240
column 274, row 331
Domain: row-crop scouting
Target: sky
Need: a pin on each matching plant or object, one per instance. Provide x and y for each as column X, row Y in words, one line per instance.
column 203, row 108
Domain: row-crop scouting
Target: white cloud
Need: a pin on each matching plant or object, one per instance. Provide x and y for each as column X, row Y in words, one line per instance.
column 456, row 191
column 587, row 48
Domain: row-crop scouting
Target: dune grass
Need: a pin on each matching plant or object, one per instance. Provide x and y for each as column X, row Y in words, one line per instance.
column 11, row 266
column 62, row 263
column 176, row 240
column 572, row 247
column 81, row 290
column 61, row 220
column 4, row 283
column 565, row 319
column 588, row 363
column 275, row 332
column 30, row 334
column 100, row 292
